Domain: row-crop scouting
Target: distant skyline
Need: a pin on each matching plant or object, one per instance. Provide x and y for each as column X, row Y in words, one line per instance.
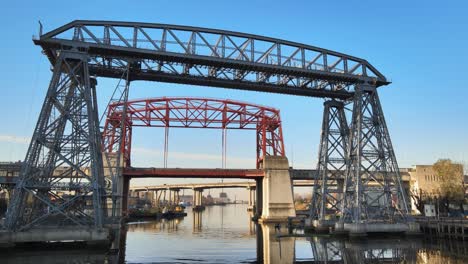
column 421, row 46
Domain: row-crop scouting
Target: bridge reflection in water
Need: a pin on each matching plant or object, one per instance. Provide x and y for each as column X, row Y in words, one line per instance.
column 225, row 234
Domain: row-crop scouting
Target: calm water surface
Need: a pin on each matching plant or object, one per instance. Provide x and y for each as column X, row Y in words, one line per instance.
column 224, row 234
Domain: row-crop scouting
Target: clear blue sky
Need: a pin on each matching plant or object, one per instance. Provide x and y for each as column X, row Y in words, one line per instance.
column 421, row 46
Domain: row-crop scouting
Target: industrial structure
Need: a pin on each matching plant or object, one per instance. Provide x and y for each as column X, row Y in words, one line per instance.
column 68, row 129
column 194, row 113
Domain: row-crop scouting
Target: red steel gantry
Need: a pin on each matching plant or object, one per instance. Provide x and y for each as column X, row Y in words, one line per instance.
column 194, row 113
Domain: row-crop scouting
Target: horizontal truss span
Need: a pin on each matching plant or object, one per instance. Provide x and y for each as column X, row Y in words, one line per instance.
column 214, row 185
column 218, row 58
column 191, row 173
column 188, row 186
column 195, row 113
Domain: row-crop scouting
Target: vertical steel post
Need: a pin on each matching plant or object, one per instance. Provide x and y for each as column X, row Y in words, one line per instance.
column 117, row 146
column 372, row 180
column 327, row 194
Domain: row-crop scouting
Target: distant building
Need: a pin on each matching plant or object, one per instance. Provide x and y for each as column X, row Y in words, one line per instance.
column 223, row 198
column 425, row 182
column 424, row 179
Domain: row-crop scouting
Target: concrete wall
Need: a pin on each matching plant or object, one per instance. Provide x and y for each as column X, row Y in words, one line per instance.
column 278, row 202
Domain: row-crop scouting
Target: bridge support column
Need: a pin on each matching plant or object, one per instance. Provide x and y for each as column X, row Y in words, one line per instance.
column 154, row 203
column 70, row 100
column 259, row 198
column 194, row 200
column 125, row 193
column 177, row 197
column 197, row 200
column 327, row 192
column 278, row 202
column 174, row 197
column 252, row 202
column 377, row 205
column 170, row 197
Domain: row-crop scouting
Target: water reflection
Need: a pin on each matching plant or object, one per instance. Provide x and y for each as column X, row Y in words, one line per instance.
column 226, row 235
column 78, row 256
column 220, row 234
column 197, row 221
column 326, row 250
column 274, row 245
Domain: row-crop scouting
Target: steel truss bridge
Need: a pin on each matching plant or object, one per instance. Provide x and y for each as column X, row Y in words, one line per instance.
column 193, row 113
column 68, row 129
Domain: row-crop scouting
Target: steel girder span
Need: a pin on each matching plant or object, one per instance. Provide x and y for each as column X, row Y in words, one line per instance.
column 210, row 57
column 193, row 113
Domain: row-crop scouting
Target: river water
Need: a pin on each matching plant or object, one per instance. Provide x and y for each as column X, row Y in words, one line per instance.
column 224, row 234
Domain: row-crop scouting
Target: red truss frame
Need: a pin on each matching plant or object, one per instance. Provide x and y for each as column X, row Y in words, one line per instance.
column 194, row 113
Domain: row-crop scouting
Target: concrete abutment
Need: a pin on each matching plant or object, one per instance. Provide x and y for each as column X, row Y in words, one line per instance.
column 277, row 193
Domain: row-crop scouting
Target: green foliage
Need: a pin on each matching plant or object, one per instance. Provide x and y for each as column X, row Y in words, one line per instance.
column 450, row 176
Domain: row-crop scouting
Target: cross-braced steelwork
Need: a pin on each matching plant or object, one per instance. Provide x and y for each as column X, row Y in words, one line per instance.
column 328, row 187
column 114, row 162
column 324, row 250
column 193, row 113
column 372, row 251
column 66, row 134
column 218, row 58
column 373, row 191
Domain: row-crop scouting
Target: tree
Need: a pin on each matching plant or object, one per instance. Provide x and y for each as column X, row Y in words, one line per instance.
column 465, row 173
column 451, row 186
column 3, row 207
column 419, row 199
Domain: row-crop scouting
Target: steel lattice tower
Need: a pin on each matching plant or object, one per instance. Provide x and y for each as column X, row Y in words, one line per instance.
column 114, row 147
column 64, row 154
column 328, row 186
column 373, row 191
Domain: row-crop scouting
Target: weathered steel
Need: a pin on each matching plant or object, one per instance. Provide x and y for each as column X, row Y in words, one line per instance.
column 211, row 57
column 371, row 160
column 66, row 134
column 192, row 113
column 328, row 188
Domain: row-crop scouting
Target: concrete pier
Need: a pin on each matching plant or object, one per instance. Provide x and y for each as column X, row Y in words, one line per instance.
column 252, row 200
column 278, row 202
column 91, row 236
column 364, row 229
column 198, row 200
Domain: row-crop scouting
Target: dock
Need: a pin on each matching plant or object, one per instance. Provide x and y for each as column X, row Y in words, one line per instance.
column 449, row 228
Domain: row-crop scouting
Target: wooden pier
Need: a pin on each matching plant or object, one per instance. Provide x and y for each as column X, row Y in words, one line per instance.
column 451, row 228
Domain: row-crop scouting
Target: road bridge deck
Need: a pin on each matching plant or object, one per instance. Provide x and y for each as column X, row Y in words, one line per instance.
column 192, row 173
column 211, row 185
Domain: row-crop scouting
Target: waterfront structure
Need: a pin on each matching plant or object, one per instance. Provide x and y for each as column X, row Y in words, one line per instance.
column 155, row 191
column 68, row 131
column 426, row 181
